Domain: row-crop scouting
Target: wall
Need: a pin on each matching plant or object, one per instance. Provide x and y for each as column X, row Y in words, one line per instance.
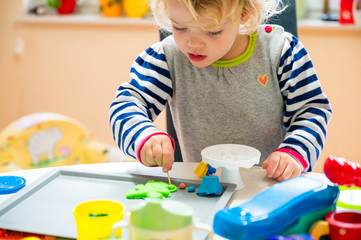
column 9, row 83
column 72, row 68
column 336, row 54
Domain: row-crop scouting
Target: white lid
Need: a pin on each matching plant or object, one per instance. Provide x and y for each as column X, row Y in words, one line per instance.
column 231, row 155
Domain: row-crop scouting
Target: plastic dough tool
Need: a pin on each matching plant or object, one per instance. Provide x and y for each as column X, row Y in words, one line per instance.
column 231, row 157
column 169, row 182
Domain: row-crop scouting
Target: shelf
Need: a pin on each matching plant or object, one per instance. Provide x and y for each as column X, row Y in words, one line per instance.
column 84, row 19
column 148, row 21
column 326, row 25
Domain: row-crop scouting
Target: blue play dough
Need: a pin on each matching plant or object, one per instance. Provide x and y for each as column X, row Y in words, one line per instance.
column 11, row 184
column 211, row 170
column 210, row 186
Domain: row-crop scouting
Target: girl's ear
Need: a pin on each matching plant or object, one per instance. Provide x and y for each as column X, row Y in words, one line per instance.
column 244, row 17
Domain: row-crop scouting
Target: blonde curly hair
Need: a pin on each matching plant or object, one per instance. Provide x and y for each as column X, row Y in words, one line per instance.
column 252, row 12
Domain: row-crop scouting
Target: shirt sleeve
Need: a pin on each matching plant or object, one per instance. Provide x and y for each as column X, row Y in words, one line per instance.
column 307, row 109
column 137, row 103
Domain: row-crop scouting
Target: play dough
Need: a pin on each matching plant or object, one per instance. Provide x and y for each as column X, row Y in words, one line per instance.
column 151, row 189
column 210, row 186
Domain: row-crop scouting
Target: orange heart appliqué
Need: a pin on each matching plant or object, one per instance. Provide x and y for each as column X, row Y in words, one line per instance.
column 263, row 80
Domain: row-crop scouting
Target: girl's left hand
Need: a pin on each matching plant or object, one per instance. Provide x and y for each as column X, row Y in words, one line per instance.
column 281, row 166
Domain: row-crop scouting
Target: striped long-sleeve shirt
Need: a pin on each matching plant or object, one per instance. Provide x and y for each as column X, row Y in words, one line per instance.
column 269, row 98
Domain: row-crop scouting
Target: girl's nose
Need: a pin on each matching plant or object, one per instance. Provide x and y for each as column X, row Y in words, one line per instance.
column 195, row 42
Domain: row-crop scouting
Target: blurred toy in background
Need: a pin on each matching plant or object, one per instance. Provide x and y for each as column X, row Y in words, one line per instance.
column 342, row 171
column 48, row 140
column 135, row 8
column 350, row 12
column 63, row 6
column 38, row 10
column 111, row 8
column 131, row 8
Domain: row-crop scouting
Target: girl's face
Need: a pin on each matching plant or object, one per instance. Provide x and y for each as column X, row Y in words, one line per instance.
column 201, row 47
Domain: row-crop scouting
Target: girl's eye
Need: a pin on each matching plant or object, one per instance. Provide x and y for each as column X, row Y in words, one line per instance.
column 179, row 28
column 215, row 33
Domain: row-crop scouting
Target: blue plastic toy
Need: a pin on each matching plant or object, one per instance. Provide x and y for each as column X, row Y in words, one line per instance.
column 303, row 236
column 288, row 207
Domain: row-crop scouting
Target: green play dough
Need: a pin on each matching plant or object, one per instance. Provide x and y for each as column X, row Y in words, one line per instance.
column 151, row 189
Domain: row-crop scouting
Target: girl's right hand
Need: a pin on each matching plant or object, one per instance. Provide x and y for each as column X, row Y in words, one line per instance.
column 282, row 166
column 158, row 151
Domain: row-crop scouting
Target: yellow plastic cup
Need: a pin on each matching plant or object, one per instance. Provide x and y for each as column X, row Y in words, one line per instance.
column 94, row 219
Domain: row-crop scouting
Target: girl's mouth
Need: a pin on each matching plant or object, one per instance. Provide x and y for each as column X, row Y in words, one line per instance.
column 197, row 58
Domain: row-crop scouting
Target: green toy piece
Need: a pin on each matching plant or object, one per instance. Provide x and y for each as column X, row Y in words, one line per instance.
column 151, row 189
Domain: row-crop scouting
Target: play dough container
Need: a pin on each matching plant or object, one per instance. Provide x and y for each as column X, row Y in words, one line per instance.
column 231, row 157
column 94, row 219
column 162, row 220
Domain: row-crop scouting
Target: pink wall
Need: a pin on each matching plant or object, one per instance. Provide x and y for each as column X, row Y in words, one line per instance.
column 336, row 54
column 68, row 68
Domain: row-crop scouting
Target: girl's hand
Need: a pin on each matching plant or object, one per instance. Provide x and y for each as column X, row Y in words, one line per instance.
column 281, row 166
column 158, row 151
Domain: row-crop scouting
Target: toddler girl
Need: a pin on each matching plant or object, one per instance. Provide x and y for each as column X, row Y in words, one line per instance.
column 227, row 79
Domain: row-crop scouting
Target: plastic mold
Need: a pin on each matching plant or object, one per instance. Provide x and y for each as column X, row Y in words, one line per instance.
column 231, row 157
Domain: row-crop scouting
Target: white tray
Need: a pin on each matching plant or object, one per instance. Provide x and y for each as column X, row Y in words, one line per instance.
column 46, row 206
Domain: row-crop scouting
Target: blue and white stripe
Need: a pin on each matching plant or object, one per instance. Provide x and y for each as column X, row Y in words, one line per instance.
column 140, row 101
column 307, row 109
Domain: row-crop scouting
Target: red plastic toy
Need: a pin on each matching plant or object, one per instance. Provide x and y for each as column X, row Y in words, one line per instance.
column 342, row 171
column 16, row 235
column 344, row 225
column 67, row 6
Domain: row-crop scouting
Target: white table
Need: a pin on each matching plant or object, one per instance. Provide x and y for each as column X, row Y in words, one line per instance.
column 254, row 178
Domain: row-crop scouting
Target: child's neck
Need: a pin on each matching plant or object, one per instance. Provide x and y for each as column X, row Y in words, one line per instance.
column 238, row 48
